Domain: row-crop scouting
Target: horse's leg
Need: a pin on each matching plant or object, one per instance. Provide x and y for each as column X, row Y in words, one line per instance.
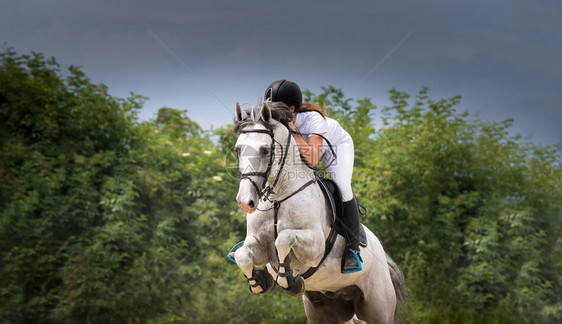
column 321, row 309
column 378, row 304
column 307, row 245
column 251, row 253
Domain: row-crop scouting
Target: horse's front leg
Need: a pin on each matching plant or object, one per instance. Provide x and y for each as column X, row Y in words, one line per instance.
column 250, row 254
column 307, row 245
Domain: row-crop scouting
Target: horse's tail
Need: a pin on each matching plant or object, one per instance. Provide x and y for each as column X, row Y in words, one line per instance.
column 398, row 283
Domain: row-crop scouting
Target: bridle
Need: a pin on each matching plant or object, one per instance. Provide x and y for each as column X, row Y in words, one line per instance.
column 263, row 191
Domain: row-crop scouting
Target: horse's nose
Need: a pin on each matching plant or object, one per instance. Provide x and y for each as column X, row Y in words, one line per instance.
column 248, row 206
column 247, row 197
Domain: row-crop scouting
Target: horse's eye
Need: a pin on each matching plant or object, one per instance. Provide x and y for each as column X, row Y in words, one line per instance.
column 264, row 150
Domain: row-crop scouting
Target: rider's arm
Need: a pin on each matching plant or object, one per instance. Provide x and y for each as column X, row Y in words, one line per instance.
column 311, row 150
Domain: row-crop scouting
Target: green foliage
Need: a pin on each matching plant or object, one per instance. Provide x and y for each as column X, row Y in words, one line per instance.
column 107, row 219
column 471, row 213
column 101, row 217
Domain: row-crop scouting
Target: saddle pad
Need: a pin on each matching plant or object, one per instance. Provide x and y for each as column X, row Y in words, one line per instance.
column 332, row 193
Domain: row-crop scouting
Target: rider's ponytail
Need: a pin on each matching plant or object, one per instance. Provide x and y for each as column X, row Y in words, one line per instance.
column 312, row 107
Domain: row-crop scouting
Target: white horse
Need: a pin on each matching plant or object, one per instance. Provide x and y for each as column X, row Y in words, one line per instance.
column 288, row 223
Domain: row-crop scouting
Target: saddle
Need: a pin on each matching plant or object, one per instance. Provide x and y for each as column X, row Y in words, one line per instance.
column 332, row 193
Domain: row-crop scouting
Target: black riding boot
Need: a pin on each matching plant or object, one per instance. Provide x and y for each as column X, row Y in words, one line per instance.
column 351, row 261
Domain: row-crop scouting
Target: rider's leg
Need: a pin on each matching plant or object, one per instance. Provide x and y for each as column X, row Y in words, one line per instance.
column 352, row 227
column 341, row 171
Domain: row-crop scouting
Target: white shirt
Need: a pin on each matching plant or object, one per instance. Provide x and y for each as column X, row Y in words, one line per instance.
column 309, row 122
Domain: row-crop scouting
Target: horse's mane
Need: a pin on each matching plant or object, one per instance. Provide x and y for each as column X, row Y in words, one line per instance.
column 279, row 111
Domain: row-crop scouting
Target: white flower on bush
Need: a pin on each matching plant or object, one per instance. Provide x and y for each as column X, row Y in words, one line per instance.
column 217, row 178
column 207, row 152
column 185, row 154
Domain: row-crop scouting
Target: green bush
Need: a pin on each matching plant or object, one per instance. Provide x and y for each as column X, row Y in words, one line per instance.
column 104, row 218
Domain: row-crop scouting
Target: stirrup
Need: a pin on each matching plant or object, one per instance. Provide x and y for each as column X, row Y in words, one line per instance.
column 359, row 266
column 230, row 254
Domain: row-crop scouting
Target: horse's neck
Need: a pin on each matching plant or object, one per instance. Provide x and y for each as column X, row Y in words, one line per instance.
column 295, row 173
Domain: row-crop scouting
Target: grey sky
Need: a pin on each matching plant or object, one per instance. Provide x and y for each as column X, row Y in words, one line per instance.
column 504, row 57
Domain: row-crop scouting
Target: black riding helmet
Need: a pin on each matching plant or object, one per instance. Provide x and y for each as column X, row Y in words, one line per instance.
column 285, row 91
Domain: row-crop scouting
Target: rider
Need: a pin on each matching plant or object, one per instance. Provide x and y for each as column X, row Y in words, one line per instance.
column 309, row 119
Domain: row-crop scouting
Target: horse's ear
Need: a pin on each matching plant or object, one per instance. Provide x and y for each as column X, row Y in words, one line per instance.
column 265, row 113
column 240, row 114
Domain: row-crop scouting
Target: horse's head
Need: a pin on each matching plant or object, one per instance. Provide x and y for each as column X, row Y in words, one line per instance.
column 256, row 149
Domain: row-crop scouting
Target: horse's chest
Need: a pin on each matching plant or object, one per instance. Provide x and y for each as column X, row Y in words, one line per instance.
column 261, row 225
column 267, row 228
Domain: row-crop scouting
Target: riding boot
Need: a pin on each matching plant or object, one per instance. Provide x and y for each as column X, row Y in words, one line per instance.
column 352, row 260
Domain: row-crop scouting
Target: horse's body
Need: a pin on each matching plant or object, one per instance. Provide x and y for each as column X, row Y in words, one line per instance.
column 298, row 238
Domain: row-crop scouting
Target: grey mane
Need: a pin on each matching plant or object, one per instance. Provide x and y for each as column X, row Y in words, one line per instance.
column 279, row 111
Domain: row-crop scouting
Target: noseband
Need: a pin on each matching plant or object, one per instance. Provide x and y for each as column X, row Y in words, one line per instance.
column 263, row 191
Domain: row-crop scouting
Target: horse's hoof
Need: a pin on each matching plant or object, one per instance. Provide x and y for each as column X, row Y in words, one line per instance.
column 263, row 280
column 296, row 286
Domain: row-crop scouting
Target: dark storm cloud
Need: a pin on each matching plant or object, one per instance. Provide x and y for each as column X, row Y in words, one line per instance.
column 504, row 57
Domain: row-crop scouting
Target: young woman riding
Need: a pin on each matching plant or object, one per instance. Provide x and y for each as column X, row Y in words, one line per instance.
column 309, row 120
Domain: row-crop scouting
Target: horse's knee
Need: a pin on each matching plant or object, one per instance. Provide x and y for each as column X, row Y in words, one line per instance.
column 243, row 257
column 250, row 253
column 285, row 238
column 284, row 242
column 308, row 246
column 244, row 261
